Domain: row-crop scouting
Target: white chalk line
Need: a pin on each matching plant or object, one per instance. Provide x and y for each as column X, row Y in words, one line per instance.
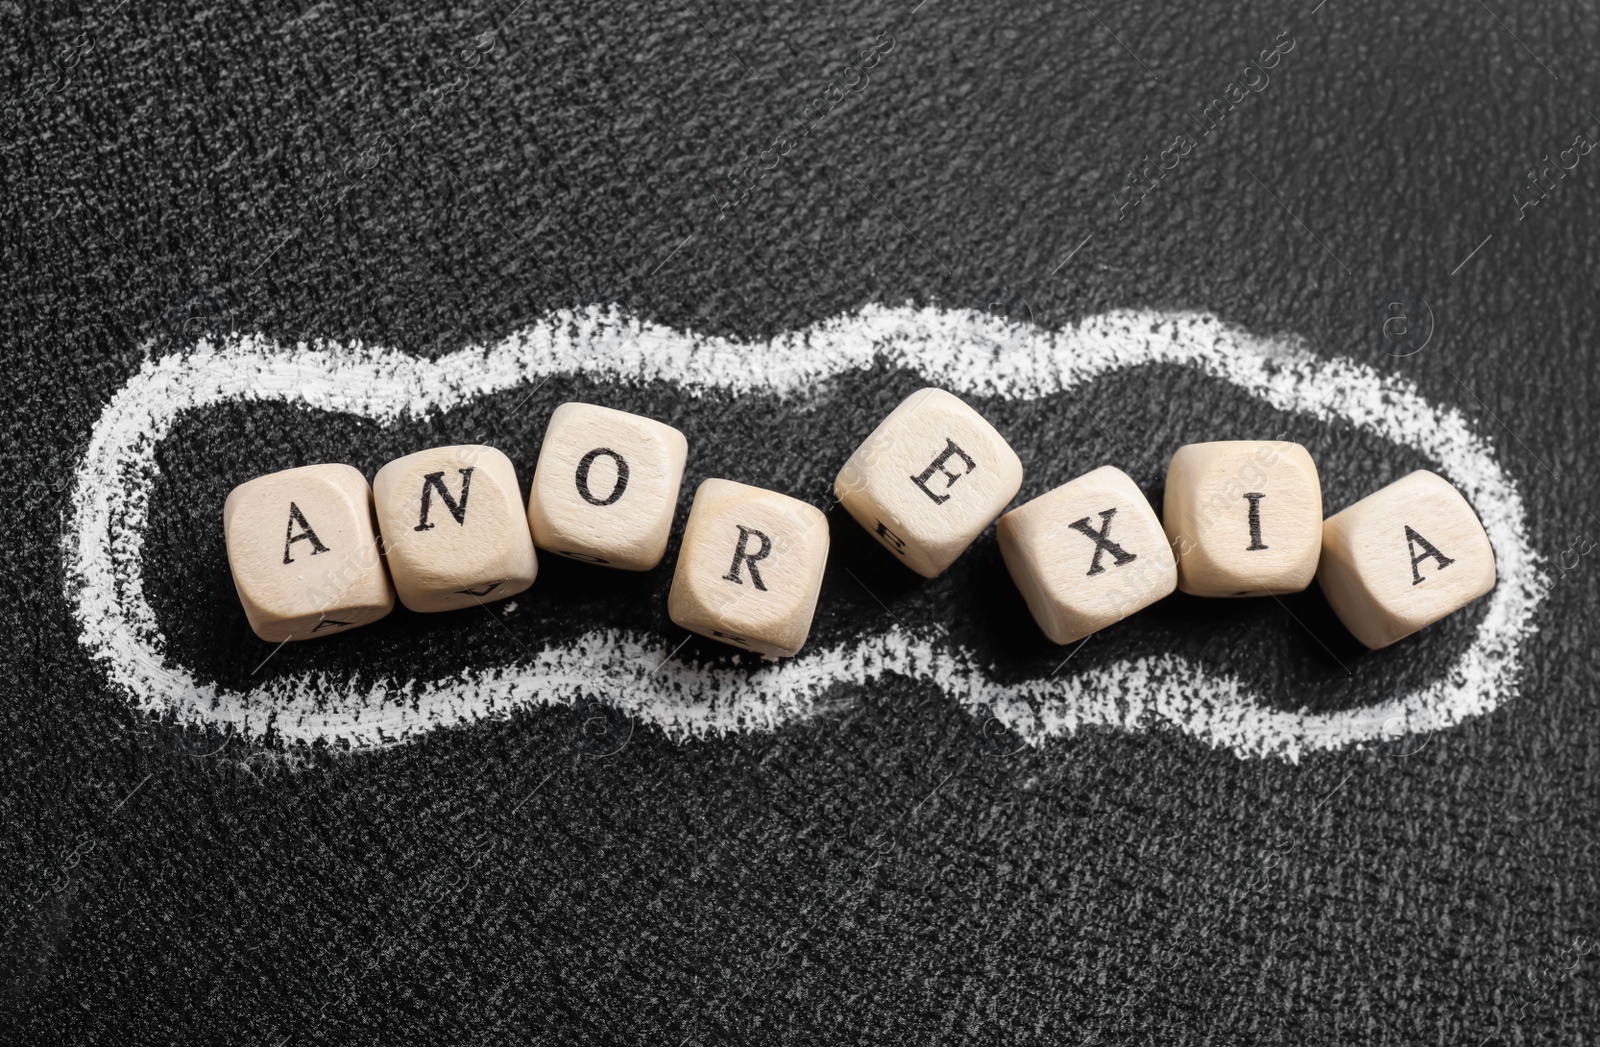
column 968, row 353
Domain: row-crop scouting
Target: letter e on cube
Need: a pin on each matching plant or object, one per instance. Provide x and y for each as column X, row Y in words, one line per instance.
column 929, row 479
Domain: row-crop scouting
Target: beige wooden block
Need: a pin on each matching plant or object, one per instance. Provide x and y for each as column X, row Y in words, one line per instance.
column 750, row 567
column 929, row 479
column 454, row 530
column 304, row 554
column 1244, row 517
column 1087, row 554
column 606, row 486
column 1403, row 558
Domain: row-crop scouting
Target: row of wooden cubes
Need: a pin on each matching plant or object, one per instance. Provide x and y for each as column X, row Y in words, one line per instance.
column 1240, row 518
column 307, row 558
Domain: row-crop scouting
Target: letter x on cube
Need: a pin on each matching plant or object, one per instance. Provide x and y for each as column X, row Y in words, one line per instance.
column 1087, row 554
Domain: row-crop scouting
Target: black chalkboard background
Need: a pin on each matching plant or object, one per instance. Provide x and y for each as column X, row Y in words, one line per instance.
column 892, row 870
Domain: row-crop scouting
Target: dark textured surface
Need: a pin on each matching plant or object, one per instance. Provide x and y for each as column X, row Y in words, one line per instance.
column 889, row 871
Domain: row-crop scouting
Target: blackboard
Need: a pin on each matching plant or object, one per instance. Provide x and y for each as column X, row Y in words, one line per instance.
column 243, row 240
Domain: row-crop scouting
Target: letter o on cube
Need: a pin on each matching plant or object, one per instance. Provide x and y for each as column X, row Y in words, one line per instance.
column 606, row 486
column 454, row 530
column 750, row 568
column 1087, row 554
column 304, row 554
column 1404, row 557
column 929, row 479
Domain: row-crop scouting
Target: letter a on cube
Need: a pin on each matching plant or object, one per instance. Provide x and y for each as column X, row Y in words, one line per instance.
column 606, row 486
column 750, row 568
column 304, row 554
column 929, row 479
column 1087, row 554
column 1403, row 558
column 454, row 530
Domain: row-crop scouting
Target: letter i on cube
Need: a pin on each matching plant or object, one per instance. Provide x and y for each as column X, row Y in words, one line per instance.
column 304, row 554
column 1403, row 558
column 1087, row 554
column 606, row 486
column 929, row 479
column 454, row 530
column 750, row 568
column 1244, row 517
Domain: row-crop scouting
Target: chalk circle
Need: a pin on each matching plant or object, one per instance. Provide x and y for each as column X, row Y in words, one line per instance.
column 104, row 539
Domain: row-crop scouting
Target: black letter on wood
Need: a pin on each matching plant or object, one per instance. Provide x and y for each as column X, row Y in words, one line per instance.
column 743, row 555
column 435, row 481
column 1102, row 544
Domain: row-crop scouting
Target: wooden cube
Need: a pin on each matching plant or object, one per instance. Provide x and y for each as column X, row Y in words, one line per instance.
column 1087, row 554
column 750, row 568
column 1244, row 517
column 1403, row 558
column 929, row 479
column 454, row 530
column 304, row 553
column 606, row 486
